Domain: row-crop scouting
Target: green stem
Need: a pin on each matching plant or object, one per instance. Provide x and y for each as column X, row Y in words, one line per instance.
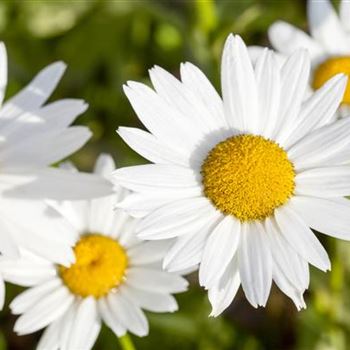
column 126, row 342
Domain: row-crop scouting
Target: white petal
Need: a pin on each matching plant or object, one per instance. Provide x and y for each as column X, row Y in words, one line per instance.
column 31, row 296
column 151, row 301
column 149, row 147
column 195, row 80
column 219, row 250
column 148, row 252
column 104, row 165
column 75, row 212
column 48, row 309
column 329, row 216
column 35, row 123
column 3, row 71
column 68, row 142
column 319, row 109
column 188, row 249
column 300, row 237
column 268, row 84
column 337, row 158
column 287, row 260
column 59, row 253
column 8, row 244
column 117, row 224
column 164, row 122
column 59, row 184
column 182, row 99
column 2, row 293
column 324, row 182
column 286, row 38
column 101, row 214
column 26, row 272
column 130, row 315
column 32, row 230
column 221, row 295
column 344, row 11
column 67, row 324
column 125, row 232
column 110, row 318
column 35, row 93
column 322, row 146
column 86, row 319
column 148, row 177
column 139, row 205
column 178, row 218
column 255, row 264
column 153, row 280
column 50, row 337
column 255, row 52
column 93, row 333
column 326, row 27
column 294, row 79
column 239, row 88
column 288, row 288
column 186, row 252
column 32, row 279
column 47, row 148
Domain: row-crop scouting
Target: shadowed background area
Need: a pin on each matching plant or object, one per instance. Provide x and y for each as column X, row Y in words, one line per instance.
column 106, row 43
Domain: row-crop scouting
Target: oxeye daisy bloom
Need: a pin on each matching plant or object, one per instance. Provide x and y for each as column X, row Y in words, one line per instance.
column 239, row 181
column 328, row 43
column 113, row 278
column 33, row 136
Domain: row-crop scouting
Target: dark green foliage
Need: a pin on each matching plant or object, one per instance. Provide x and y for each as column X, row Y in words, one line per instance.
column 106, row 43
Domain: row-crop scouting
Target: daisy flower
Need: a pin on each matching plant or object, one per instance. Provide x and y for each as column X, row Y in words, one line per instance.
column 239, row 181
column 33, row 136
column 328, row 43
column 113, row 278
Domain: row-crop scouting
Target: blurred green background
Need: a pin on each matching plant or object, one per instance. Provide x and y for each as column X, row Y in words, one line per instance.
column 106, row 43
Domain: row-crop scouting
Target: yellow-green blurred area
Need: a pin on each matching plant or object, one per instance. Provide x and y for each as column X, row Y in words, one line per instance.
column 105, row 44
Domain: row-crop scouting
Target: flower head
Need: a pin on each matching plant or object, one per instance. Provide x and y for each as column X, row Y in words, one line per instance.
column 328, row 43
column 239, row 181
column 112, row 278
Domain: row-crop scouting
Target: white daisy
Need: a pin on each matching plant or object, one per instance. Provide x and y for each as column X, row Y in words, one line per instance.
column 328, row 43
column 32, row 137
column 114, row 277
column 240, row 182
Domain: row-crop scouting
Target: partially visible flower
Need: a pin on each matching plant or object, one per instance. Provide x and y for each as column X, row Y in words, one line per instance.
column 32, row 137
column 328, row 43
column 239, row 181
column 113, row 278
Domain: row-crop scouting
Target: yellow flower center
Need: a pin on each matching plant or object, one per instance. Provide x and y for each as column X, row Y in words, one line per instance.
column 328, row 69
column 248, row 176
column 100, row 266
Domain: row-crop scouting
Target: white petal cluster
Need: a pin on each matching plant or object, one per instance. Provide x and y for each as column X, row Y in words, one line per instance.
column 34, row 135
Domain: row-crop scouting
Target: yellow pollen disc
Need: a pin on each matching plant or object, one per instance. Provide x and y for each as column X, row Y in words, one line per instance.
column 248, row 176
column 328, row 69
column 100, row 266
